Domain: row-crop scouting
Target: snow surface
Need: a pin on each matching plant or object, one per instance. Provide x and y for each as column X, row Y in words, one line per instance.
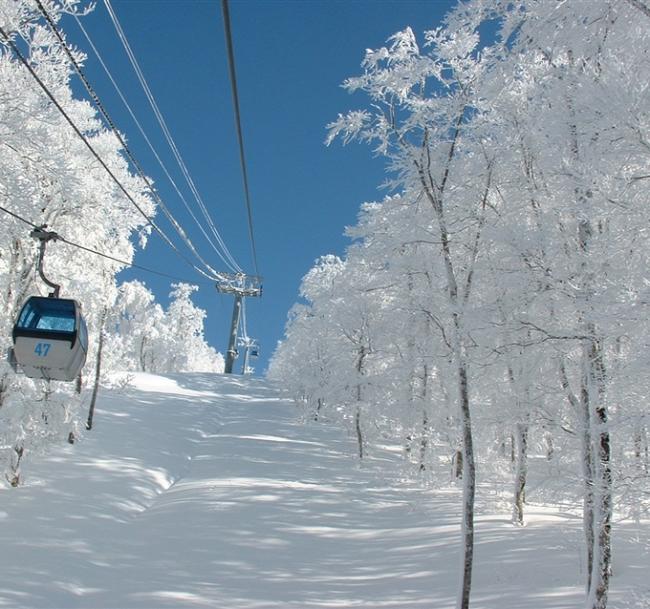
column 209, row 491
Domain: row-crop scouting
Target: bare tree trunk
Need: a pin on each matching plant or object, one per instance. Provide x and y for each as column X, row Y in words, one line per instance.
column 588, row 475
column 519, row 443
column 521, row 473
column 469, row 487
column 3, row 389
column 78, row 386
column 458, row 296
column 142, row 358
column 596, row 439
column 357, row 417
column 424, row 438
column 98, row 370
column 638, row 448
column 357, row 426
column 457, row 464
column 602, row 487
column 319, row 407
column 581, row 406
column 596, row 447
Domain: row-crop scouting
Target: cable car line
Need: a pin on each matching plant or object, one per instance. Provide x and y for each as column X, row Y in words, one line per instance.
column 76, row 129
column 165, row 130
column 111, row 125
column 50, row 336
column 229, row 261
column 97, row 253
column 240, row 138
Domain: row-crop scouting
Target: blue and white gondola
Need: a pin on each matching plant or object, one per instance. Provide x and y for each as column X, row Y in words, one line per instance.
column 50, row 339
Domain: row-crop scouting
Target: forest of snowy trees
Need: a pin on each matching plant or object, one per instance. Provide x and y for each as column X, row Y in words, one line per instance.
column 491, row 314
column 48, row 176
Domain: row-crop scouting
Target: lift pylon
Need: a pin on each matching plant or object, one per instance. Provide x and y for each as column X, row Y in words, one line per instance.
column 240, row 286
column 251, row 349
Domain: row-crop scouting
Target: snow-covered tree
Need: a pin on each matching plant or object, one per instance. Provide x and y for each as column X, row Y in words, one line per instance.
column 134, row 329
column 144, row 337
column 186, row 349
column 510, row 269
column 49, row 176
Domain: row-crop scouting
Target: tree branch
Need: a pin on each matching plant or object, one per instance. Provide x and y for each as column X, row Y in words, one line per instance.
column 640, row 6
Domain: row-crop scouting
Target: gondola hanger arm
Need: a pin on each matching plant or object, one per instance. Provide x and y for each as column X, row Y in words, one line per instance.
column 44, row 236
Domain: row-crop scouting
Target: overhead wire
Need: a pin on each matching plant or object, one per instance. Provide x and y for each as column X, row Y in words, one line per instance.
column 240, row 137
column 230, row 260
column 83, row 138
column 96, row 252
column 226, row 258
column 111, row 125
column 165, row 129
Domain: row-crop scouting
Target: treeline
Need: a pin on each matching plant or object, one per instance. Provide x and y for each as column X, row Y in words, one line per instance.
column 497, row 302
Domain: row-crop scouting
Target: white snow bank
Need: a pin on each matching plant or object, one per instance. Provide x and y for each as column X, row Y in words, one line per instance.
column 207, row 491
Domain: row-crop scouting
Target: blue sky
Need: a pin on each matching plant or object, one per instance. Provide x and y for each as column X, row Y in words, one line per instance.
column 292, row 57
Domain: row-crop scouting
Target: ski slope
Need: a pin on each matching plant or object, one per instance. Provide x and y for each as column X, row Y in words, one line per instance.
column 209, row 491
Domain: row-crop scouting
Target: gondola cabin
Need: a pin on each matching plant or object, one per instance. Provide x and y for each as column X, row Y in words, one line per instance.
column 50, row 339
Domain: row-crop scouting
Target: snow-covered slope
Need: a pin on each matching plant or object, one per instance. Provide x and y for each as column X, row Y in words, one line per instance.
column 208, row 491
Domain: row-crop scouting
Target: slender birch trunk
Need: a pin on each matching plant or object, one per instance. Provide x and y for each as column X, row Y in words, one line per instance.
column 587, row 472
column 519, row 442
column 602, row 488
column 458, row 298
column 596, row 439
column 424, row 436
column 357, row 427
column 521, row 473
column 98, row 370
column 357, row 417
column 469, row 486
column 319, row 407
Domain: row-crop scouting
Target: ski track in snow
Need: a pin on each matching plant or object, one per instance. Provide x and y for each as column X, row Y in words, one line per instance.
column 208, row 491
